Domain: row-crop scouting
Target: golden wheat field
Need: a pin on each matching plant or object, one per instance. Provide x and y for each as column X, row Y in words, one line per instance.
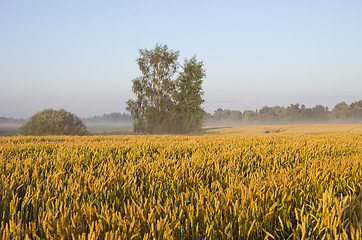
column 240, row 186
column 314, row 129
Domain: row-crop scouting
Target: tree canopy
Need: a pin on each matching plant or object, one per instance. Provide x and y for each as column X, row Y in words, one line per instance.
column 53, row 122
column 166, row 103
column 295, row 113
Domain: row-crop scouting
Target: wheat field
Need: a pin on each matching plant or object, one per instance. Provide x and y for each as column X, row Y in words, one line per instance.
column 240, row 186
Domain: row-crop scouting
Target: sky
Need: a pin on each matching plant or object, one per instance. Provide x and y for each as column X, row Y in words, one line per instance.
column 81, row 55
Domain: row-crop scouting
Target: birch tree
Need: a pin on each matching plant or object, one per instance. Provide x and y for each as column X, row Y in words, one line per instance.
column 154, row 89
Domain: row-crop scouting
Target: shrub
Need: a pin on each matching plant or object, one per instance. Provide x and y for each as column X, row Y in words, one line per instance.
column 53, row 122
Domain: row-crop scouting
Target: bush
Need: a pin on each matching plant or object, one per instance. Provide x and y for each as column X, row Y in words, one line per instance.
column 53, row 122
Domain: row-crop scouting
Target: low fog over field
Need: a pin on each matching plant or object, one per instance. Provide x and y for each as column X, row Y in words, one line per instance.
column 122, row 123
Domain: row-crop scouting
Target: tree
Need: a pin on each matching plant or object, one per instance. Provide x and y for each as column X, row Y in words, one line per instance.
column 356, row 110
column 341, row 111
column 265, row 113
column 319, row 112
column 291, row 113
column 165, row 104
column 154, row 89
column 53, row 122
column 188, row 113
column 248, row 116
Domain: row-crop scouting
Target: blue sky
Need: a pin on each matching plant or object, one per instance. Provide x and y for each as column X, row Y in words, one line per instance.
column 80, row 55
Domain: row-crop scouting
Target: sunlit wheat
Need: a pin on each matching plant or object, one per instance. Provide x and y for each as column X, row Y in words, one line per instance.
column 177, row 187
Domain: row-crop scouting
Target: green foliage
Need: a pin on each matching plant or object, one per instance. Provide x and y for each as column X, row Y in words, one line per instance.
column 356, row 110
column 164, row 104
column 188, row 111
column 341, row 111
column 295, row 113
column 53, row 122
column 154, row 89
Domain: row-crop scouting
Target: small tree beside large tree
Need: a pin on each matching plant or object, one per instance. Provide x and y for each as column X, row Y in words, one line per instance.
column 165, row 103
column 188, row 114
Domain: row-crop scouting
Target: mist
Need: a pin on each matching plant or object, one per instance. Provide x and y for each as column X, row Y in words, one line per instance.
column 294, row 114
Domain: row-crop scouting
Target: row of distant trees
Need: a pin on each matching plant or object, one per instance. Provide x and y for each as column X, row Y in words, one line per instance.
column 55, row 122
column 295, row 113
column 278, row 114
column 113, row 117
column 11, row 120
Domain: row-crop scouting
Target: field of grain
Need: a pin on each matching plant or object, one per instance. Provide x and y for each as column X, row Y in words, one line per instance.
column 313, row 129
column 247, row 186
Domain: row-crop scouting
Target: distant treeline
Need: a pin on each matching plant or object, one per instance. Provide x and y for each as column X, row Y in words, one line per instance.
column 11, row 120
column 105, row 118
column 109, row 118
column 295, row 113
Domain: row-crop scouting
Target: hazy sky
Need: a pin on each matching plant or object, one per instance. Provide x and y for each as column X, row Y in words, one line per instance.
column 80, row 55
